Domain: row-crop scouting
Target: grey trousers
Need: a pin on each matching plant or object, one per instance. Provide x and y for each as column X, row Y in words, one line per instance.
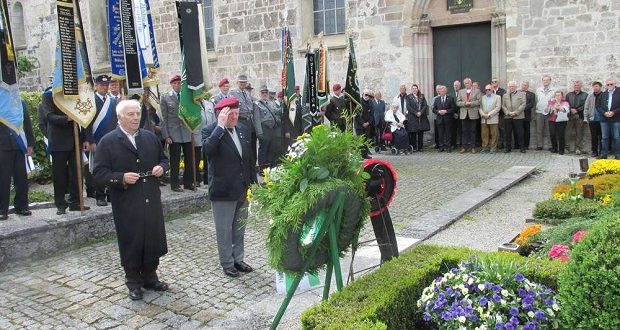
column 574, row 133
column 229, row 229
column 542, row 129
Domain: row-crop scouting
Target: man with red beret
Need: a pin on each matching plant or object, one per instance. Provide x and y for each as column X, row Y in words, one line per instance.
column 231, row 172
column 177, row 136
column 224, row 86
column 335, row 109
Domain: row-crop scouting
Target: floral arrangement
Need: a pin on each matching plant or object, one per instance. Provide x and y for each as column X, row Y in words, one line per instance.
column 603, row 184
column 523, row 238
column 487, row 295
column 560, row 252
column 606, row 200
column 579, row 236
column 604, row 166
column 316, row 165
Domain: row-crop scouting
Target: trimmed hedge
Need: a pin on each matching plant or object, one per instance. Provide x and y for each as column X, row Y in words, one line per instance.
column 553, row 211
column 386, row 298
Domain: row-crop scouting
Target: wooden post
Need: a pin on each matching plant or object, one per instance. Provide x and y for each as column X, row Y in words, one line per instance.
column 78, row 165
column 193, row 164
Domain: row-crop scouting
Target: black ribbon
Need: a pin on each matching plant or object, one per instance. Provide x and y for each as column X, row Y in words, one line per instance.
column 133, row 73
column 68, row 55
column 189, row 35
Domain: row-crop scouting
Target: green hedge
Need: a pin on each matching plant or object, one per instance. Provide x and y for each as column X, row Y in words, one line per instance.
column 555, row 211
column 40, row 157
column 387, row 297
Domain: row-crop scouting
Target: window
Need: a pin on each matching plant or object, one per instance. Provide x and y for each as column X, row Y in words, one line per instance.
column 17, row 25
column 328, row 16
column 207, row 13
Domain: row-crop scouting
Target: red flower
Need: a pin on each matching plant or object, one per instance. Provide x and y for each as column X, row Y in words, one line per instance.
column 578, row 236
column 559, row 252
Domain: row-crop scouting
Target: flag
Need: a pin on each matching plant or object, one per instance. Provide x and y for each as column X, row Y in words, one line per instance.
column 146, row 40
column 11, row 110
column 351, row 88
column 288, row 71
column 192, row 76
column 72, row 89
column 310, row 116
column 322, row 77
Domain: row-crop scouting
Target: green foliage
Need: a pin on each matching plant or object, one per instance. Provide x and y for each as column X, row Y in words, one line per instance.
column 389, row 295
column 589, row 289
column 560, row 234
column 35, row 196
column 24, row 65
column 43, row 173
column 554, row 211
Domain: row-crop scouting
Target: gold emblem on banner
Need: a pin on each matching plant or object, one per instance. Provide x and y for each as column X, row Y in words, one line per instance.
column 83, row 107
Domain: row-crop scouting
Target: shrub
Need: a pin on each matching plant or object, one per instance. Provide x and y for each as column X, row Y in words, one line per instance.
column 389, row 295
column 604, row 166
column 590, row 286
column 603, row 184
column 43, row 174
column 554, row 211
column 561, row 234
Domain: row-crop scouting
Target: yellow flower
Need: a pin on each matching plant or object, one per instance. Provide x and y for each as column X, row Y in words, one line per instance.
column 201, row 165
column 266, row 175
column 248, row 195
column 181, row 164
column 606, row 200
column 559, row 196
column 604, row 166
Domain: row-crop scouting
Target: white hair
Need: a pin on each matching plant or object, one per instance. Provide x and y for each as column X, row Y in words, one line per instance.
column 124, row 104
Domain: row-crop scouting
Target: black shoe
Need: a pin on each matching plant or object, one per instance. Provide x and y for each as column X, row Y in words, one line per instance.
column 442, row 149
column 161, row 183
column 4, row 216
column 243, row 267
column 76, row 207
column 232, row 272
column 24, row 212
column 197, row 184
column 189, row 187
column 594, row 154
column 61, row 210
column 507, row 151
column 539, row 148
column 102, row 202
column 177, row 189
column 136, row 294
column 450, row 150
column 157, row 286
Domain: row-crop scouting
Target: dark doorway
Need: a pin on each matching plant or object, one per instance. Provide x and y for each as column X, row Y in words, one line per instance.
column 462, row 51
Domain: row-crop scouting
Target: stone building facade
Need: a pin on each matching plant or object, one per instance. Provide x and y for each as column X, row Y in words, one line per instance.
column 394, row 39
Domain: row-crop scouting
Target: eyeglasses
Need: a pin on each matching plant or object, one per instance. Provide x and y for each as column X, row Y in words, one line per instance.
column 146, row 174
column 610, row 84
column 488, row 89
column 494, row 81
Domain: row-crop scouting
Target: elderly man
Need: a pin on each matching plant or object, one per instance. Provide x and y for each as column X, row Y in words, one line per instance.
column 231, row 172
column 576, row 127
column 456, row 124
column 592, row 117
column 444, row 107
column 469, row 102
column 513, row 104
column 363, row 121
column 544, row 93
column 247, row 113
column 129, row 160
column 378, row 115
column 224, row 86
column 490, row 106
column 401, row 98
column 610, row 119
column 530, row 104
column 177, row 137
column 271, row 123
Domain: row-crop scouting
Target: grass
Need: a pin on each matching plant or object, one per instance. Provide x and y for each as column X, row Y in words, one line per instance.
column 35, row 196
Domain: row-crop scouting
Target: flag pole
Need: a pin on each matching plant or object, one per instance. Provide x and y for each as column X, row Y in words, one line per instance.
column 193, row 165
column 78, row 167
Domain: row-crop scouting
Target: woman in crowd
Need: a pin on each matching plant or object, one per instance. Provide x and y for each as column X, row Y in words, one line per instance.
column 417, row 118
column 395, row 118
column 557, row 114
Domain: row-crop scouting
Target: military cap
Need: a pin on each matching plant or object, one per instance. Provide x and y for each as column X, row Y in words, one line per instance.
column 264, row 88
column 242, row 78
column 223, row 82
column 336, row 87
column 175, row 78
column 103, row 79
column 230, row 102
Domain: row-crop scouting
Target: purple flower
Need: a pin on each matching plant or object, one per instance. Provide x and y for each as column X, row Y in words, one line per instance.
column 514, row 311
column 483, row 301
column 454, row 270
column 549, row 302
column 522, row 293
column 514, row 320
column 540, row 315
column 519, row 277
column 426, row 317
column 446, row 316
column 528, row 300
column 497, row 298
column 509, row 326
column 531, row 325
column 499, row 326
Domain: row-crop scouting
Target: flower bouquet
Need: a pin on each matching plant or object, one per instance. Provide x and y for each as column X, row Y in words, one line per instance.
column 482, row 294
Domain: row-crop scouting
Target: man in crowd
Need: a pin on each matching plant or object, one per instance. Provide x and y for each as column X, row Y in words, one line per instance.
column 177, row 137
column 610, row 119
column 362, row 123
column 378, row 114
column 115, row 90
column 401, row 98
column 271, row 124
column 576, row 127
column 228, row 151
column 497, row 90
column 544, row 93
column 513, row 105
column 469, row 103
column 530, row 103
column 129, row 160
column 247, row 112
column 105, row 121
column 444, row 108
column 456, row 124
column 13, row 165
column 592, row 116
column 490, row 107
column 335, row 109
column 224, row 86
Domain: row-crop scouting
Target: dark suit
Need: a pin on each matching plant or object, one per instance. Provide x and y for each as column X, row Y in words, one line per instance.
column 378, row 114
column 137, row 210
column 530, row 102
column 230, row 175
column 610, row 127
column 61, row 147
column 365, row 116
column 334, row 110
column 444, row 122
column 13, row 165
column 502, row 136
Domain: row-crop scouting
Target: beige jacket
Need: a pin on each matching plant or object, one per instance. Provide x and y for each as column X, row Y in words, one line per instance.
column 471, row 109
column 516, row 103
column 492, row 109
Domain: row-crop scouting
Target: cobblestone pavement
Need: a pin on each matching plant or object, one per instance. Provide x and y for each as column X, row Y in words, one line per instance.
column 84, row 288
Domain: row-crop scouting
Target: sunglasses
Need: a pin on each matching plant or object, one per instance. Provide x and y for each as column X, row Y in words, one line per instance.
column 610, row 84
column 488, row 89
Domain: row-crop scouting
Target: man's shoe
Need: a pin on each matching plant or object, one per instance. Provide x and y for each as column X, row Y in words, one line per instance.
column 617, row 157
column 189, row 187
column 61, row 210
column 3, row 216
column 231, row 272
column 76, row 207
column 197, row 184
column 507, row 151
column 177, row 189
column 462, row 151
column 136, row 294
column 102, row 202
column 24, row 212
column 601, row 157
column 594, row 154
column 442, row 149
column 157, row 286
column 449, row 149
column 161, row 183
column 474, row 150
column 243, row 267
column 367, row 157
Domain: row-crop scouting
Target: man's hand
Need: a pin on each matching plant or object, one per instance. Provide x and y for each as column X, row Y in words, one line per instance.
column 86, row 146
column 168, row 140
column 573, row 111
column 157, row 171
column 287, row 135
column 442, row 112
column 418, row 114
column 366, row 124
column 29, row 151
column 130, row 177
column 93, row 147
column 222, row 118
column 157, row 129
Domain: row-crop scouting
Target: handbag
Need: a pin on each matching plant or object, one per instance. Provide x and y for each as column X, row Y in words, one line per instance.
column 386, row 135
column 561, row 116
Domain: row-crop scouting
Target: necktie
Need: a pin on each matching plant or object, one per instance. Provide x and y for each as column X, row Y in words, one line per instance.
column 443, row 99
column 230, row 130
column 178, row 97
column 103, row 98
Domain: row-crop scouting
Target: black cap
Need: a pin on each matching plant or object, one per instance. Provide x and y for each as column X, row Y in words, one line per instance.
column 103, row 79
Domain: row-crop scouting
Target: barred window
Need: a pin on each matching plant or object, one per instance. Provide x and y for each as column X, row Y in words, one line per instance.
column 329, row 16
column 207, row 6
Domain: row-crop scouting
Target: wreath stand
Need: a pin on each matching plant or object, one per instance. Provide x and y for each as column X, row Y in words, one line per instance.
column 327, row 224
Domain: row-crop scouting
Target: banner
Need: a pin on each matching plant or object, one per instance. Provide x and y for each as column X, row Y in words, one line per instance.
column 72, row 88
column 310, row 112
column 351, row 88
column 133, row 69
column 322, row 78
column 117, row 54
column 288, row 71
column 11, row 111
column 149, row 60
column 192, row 80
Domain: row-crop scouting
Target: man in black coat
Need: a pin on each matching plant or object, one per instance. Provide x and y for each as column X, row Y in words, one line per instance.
column 363, row 121
column 444, row 108
column 13, row 165
column 530, row 103
column 129, row 160
column 335, row 108
column 231, row 172
column 61, row 147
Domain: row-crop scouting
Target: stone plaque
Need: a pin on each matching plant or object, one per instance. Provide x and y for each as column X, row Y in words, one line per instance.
column 460, row 6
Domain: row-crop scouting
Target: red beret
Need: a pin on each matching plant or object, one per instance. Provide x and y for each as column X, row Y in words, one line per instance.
column 230, row 102
column 280, row 94
column 336, row 87
column 174, row 78
column 223, row 82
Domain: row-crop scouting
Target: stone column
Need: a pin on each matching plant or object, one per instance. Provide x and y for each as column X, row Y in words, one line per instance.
column 94, row 17
column 498, row 46
column 422, row 43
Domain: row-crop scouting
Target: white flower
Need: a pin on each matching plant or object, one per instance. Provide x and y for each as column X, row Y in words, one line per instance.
column 555, row 307
column 462, row 319
column 498, row 318
column 480, row 310
column 530, row 314
column 503, row 302
column 550, row 312
column 470, row 281
column 481, row 287
column 499, row 277
column 505, row 293
column 464, row 290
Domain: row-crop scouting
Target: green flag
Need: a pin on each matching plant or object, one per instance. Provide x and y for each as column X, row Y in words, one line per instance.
column 190, row 110
column 351, row 89
column 288, row 71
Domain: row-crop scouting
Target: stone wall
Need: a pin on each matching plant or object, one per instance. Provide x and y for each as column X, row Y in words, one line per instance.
column 566, row 39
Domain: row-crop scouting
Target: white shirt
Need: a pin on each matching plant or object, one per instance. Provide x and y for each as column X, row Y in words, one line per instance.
column 611, row 93
column 131, row 137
